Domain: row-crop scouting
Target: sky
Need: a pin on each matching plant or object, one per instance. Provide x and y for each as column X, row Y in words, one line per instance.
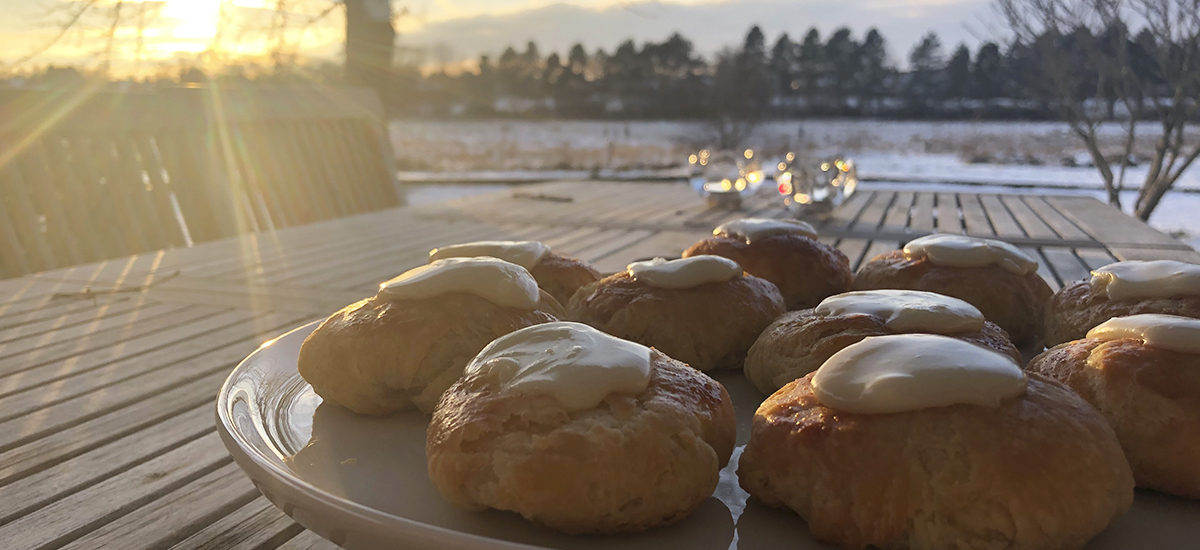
column 464, row 29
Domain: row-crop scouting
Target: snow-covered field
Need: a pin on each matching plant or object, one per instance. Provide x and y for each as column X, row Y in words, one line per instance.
column 1030, row 154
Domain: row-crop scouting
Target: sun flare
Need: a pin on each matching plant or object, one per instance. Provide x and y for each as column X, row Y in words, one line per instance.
column 195, row 18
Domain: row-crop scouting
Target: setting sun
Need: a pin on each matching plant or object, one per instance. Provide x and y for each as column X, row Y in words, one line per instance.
column 193, row 18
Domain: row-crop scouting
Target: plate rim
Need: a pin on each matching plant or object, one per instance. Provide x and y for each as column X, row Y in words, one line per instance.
column 249, row 457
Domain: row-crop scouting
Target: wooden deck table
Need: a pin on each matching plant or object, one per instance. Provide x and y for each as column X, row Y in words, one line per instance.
column 108, row 371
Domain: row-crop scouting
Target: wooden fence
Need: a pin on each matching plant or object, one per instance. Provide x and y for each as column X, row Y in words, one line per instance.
column 90, row 175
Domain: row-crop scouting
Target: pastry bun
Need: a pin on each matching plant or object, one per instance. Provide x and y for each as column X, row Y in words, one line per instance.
column 631, row 463
column 1011, row 300
column 555, row 273
column 710, row 326
column 379, row 356
column 562, row 276
column 805, row 269
column 1077, row 307
column 1041, row 471
column 1150, row 396
column 799, row 342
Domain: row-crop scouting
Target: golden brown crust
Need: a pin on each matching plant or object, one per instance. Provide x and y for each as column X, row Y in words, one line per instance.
column 799, row 342
column 805, row 270
column 708, row 327
column 1015, row 302
column 1041, row 471
column 1151, row 397
column 381, row 356
column 1075, row 309
column 562, row 275
column 632, row 463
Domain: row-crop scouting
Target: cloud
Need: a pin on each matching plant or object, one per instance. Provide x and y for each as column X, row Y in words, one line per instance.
column 710, row 26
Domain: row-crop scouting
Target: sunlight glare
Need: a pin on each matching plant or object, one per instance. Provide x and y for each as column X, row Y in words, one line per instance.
column 197, row 18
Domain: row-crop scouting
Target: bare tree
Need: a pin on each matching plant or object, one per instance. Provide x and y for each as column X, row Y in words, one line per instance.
column 1174, row 26
column 96, row 19
column 1085, row 65
column 369, row 31
column 730, row 120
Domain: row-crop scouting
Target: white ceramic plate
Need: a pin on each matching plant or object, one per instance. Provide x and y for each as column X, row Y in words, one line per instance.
column 362, row 481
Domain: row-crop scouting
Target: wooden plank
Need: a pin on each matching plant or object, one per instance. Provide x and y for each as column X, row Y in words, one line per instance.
column 1055, row 219
column 253, row 296
column 1065, row 264
column 921, row 219
column 854, row 250
column 79, row 338
column 68, row 318
column 897, row 216
column 75, row 199
column 874, row 214
column 948, row 217
column 877, row 248
column 1044, row 270
column 17, row 461
column 40, row 489
column 668, row 244
column 190, row 349
column 1109, row 225
column 845, row 215
column 1095, row 257
column 308, row 540
column 45, row 191
column 28, row 220
column 613, row 245
column 1002, row 221
column 974, row 217
column 258, row 524
column 67, row 519
column 175, row 516
column 1134, row 253
column 26, row 299
column 1030, row 222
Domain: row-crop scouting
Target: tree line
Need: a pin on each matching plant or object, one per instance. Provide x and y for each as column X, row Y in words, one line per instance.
column 836, row 75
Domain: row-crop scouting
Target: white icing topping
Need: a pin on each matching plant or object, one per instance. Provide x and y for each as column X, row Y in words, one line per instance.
column 685, row 273
column 964, row 251
column 907, row 310
column 750, row 229
column 523, row 253
column 496, row 281
column 575, row 364
column 1136, row 280
column 1169, row 332
column 908, row 372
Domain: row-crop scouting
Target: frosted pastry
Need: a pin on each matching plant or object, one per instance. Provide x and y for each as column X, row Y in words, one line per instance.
column 701, row 310
column 555, row 273
column 1121, row 289
column 784, row 252
column 799, row 342
column 403, row 347
column 1142, row 373
column 995, row 277
column 925, row 442
column 580, row 431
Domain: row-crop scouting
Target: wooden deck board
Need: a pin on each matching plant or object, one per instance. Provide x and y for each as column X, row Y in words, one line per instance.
column 106, row 432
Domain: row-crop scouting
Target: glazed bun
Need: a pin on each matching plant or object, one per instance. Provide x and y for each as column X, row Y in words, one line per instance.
column 1081, row 305
column 784, row 252
column 555, row 273
column 1038, row 470
column 401, row 349
column 708, row 325
column 1150, row 396
column 609, row 462
column 799, row 342
column 1013, row 297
